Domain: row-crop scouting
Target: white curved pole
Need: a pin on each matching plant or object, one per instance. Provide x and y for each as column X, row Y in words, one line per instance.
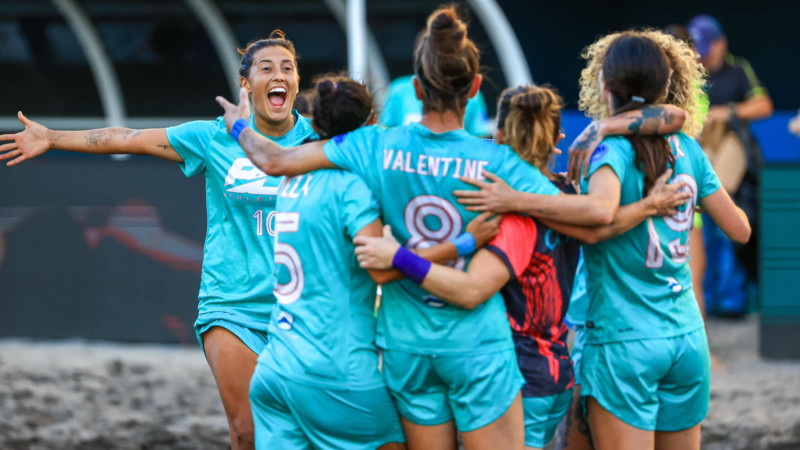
column 222, row 37
column 103, row 71
column 504, row 41
column 378, row 74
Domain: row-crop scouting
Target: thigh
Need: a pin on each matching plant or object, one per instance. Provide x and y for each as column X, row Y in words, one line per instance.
column 232, row 364
column 611, row 433
column 275, row 425
column 573, row 431
column 420, row 394
column 685, row 390
column 481, row 388
column 688, row 439
column 424, row 437
column 506, row 431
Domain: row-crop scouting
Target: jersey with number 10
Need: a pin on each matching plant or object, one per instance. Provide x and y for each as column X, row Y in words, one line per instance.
column 413, row 173
column 323, row 326
column 236, row 283
column 639, row 283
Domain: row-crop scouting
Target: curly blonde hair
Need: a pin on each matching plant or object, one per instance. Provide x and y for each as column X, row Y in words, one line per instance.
column 684, row 87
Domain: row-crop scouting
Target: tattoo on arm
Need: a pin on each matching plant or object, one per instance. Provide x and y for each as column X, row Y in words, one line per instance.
column 163, row 146
column 130, row 134
column 650, row 120
column 98, row 138
column 584, row 142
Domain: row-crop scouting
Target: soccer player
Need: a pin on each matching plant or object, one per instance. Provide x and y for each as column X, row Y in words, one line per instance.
column 237, row 278
column 641, row 304
column 533, row 265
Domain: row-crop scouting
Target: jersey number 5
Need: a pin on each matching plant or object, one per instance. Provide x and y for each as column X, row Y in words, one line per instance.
column 286, row 255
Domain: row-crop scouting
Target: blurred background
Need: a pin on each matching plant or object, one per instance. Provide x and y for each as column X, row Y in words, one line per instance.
column 109, row 248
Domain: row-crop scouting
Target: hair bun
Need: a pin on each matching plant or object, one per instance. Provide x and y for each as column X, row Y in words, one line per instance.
column 325, row 87
column 532, row 102
column 277, row 34
column 446, row 31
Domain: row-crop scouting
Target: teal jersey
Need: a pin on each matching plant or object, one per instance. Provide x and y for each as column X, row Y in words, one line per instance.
column 323, row 324
column 579, row 300
column 639, row 283
column 402, row 107
column 413, row 173
column 237, row 281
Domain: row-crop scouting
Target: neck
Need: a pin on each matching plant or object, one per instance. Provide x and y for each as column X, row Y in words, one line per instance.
column 272, row 128
column 441, row 122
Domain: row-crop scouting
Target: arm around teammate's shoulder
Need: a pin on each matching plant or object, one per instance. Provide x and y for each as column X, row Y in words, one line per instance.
column 37, row 139
column 731, row 219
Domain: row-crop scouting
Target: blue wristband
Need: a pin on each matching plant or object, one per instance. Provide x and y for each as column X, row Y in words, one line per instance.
column 237, row 128
column 414, row 267
column 465, row 244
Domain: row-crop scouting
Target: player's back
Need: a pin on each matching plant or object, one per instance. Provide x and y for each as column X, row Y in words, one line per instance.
column 323, row 325
column 413, row 173
column 639, row 283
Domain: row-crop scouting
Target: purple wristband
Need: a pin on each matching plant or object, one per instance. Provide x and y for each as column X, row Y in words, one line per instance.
column 414, row 267
column 237, row 128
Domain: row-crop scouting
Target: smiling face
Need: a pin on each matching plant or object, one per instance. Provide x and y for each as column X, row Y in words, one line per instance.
column 273, row 84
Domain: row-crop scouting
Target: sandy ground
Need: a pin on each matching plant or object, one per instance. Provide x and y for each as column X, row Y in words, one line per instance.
column 89, row 395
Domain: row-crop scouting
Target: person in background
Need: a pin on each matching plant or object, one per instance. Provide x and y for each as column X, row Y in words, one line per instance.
column 403, row 107
column 794, row 125
column 736, row 97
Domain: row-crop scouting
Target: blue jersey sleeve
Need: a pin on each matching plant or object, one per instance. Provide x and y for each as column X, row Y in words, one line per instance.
column 524, row 177
column 191, row 140
column 612, row 153
column 349, row 151
column 358, row 205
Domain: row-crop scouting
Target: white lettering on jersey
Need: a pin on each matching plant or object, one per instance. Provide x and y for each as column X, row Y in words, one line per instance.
column 432, row 166
column 243, row 169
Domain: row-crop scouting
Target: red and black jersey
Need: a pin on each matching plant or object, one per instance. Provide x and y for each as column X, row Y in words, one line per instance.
column 542, row 264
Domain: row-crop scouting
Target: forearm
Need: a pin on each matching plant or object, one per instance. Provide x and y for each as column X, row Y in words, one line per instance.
column 463, row 289
column 586, row 210
column 264, row 153
column 438, row 254
column 277, row 161
column 651, row 119
column 627, row 217
column 114, row 140
column 756, row 108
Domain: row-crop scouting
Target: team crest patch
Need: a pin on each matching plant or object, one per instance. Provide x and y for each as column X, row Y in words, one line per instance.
column 340, row 138
column 601, row 150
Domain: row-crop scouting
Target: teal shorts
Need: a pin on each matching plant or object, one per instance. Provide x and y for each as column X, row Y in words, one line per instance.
column 577, row 352
column 255, row 340
column 292, row 415
column 473, row 390
column 652, row 384
column 542, row 416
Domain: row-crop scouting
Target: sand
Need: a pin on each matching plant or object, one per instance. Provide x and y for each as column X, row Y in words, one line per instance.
column 97, row 395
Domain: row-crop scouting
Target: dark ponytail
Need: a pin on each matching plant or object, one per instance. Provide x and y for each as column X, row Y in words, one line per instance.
column 636, row 72
column 445, row 61
column 341, row 105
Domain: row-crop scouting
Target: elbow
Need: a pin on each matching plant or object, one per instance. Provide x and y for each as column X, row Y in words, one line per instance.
column 590, row 238
column 678, row 117
column 472, row 298
column 742, row 236
column 382, row 276
column 604, row 216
